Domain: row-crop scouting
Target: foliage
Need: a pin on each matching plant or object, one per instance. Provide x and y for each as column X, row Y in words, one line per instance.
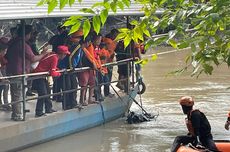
column 203, row 25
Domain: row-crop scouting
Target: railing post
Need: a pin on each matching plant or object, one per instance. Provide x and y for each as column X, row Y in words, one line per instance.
column 24, row 82
column 64, row 94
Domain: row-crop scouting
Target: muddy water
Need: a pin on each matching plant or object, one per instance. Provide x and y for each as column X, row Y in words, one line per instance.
column 210, row 93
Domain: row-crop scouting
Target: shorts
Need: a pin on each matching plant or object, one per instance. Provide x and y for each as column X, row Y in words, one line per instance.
column 86, row 78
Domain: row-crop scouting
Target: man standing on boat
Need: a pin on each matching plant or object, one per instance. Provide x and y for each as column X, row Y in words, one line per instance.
column 14, row 57
column 198, row 127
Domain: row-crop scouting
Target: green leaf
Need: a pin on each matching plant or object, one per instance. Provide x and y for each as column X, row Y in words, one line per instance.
column 173, row 43
column 120, row 5
column 98, row 4
column 124, row 30
column 120, row 36
column 79, row 1
column 138, row 33
column 183, row 45
column 87, row 10
column 134, row 22
column 52, row 4
column 75, row 27
column 154, row 57
column 71, row 2
column 42, row 2
column 86, row 28
column 96, row 24
column 63, row 3
column 208, row 69
column 103, row 16
column 127, row 40
column 146, row 32
column 113, row 6
column 69, row 22
column 126, row 2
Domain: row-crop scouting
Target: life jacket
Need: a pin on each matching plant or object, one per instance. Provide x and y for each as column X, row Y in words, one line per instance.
column 104, row 57
column 89, row 52
column 188, row 123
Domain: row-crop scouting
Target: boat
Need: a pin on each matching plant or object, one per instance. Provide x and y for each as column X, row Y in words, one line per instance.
column 18, row 135
column 222, row 146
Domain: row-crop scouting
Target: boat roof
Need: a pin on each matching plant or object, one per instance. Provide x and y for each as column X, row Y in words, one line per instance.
column 27, row 9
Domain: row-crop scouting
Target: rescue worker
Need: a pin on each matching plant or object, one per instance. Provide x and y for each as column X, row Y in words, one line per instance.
column 227, row 123
column 198, row 126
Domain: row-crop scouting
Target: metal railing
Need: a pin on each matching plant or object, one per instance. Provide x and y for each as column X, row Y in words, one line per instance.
column 24, row 78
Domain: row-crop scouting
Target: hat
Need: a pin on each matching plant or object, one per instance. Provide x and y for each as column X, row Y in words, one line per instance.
column 62, row 49
column 186, row 101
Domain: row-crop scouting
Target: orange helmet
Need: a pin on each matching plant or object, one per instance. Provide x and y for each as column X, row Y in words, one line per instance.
column 186, row 101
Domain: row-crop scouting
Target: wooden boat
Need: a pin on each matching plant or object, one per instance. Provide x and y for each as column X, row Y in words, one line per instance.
column 222, row 145
column 17, row 135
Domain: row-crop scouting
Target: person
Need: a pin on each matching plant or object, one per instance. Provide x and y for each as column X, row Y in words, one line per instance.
column 70, row 62
column 48, row 63
column 14, row 67
column 87, row 77
column 59, row 39
column 111, row 45
column 33, row 45
column 198, row 127
column 227, row 123
column 4, row 89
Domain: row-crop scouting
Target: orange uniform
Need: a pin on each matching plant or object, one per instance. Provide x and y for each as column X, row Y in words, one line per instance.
column 104, row 57
column 90, row 53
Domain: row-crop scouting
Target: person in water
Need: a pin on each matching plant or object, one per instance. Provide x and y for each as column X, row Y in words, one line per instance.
column 198, row 127
column 227, row 123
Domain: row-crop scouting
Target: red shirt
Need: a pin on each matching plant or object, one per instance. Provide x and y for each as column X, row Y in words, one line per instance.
column 48, row 63
column 14, row 57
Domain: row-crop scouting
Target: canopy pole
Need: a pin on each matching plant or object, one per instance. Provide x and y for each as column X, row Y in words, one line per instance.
column 24, row 71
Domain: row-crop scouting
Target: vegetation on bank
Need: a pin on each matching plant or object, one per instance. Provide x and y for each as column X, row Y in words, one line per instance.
column 203, row 25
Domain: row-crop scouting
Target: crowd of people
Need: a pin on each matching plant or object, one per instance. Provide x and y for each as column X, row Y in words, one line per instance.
column 68, row 52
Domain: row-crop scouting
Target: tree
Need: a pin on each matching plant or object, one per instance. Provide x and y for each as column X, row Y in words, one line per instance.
column 203, row 25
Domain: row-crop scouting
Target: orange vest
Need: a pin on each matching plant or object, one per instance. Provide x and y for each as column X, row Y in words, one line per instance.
column 104, row 57
column 89, row 52
column 189, row 123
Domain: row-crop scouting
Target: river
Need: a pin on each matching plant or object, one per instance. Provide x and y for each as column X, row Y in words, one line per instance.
column 210, row 93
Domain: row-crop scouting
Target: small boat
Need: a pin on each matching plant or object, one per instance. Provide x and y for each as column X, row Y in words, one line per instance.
column 222, row 145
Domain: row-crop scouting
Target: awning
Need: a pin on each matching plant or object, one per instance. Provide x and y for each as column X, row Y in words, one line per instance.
column 25, row 9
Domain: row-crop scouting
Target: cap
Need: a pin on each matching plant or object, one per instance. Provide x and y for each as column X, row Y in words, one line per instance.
column 62, row 49
column 186, row 101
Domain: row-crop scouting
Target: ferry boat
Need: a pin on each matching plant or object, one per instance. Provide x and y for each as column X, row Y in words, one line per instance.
column 15, row 135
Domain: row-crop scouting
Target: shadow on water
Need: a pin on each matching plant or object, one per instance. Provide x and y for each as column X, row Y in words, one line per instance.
column 162, row 94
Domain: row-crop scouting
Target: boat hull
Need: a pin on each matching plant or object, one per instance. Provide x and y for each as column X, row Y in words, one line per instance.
column 18, row 135
column 223, row 146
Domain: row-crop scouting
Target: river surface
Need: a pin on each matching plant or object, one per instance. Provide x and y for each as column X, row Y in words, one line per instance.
column 210, row 93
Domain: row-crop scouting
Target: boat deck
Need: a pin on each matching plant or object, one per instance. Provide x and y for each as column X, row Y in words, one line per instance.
column 5, row 116
column 16, row 135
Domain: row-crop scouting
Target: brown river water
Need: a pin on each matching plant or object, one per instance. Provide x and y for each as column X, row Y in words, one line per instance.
column 162, row 94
